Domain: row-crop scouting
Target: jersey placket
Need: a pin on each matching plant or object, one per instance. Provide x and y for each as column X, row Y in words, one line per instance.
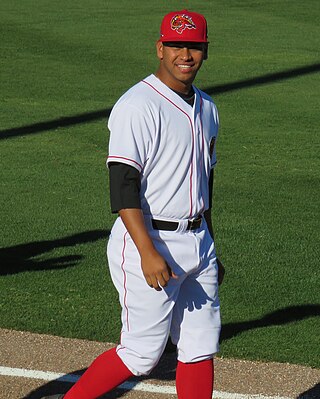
column 191, row 115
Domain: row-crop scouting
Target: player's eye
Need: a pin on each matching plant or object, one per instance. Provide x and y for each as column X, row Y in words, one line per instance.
column 189, row 45
column 173, row 44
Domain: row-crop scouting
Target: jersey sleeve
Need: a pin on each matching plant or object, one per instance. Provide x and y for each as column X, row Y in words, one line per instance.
column 130, row 136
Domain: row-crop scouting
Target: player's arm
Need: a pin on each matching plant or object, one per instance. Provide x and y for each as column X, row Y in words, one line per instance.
column 208, row 218
column 125, row 199
column 155, row 269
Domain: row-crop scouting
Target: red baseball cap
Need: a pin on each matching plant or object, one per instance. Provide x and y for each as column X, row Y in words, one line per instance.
column 184, row 26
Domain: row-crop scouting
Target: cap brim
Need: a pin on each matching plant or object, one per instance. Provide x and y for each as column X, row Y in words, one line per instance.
column 174, row 39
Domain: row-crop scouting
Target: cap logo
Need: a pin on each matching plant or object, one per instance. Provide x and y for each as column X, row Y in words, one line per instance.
column 180, row 22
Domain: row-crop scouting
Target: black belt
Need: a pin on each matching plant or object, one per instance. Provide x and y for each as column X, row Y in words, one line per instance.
column 193, row 224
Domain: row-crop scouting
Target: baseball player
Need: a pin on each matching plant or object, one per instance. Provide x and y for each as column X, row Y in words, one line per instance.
column 161, row 249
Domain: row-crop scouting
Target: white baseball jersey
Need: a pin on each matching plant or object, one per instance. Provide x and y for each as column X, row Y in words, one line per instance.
column 170, row 143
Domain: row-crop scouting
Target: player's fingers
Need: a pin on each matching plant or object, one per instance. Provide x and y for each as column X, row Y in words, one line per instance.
column 154, row 283
column 163, row 279
column 149, row 282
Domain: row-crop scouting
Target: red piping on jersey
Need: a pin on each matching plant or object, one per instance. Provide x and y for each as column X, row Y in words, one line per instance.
column 126, row 159
column 193, row 138
column 125, row 280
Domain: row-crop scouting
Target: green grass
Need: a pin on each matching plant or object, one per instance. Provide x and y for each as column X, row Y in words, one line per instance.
column 63, row 59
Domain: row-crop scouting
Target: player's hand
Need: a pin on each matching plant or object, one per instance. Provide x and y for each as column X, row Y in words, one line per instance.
column 156, row 270
column 221, row 271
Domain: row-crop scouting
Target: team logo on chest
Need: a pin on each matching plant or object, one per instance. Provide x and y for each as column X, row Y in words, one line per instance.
column 180, row 22
column 211, row 146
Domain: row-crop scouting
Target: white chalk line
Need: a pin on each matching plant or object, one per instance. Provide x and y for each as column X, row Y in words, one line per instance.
column 129, row 385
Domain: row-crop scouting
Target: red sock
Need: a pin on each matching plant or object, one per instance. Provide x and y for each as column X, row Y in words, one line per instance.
column 105, row 373
column 195, row 380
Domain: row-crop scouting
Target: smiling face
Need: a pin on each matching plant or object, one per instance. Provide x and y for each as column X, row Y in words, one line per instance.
column 179, row 63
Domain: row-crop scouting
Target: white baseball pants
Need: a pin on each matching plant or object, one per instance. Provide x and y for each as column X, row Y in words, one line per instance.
column 188, row 308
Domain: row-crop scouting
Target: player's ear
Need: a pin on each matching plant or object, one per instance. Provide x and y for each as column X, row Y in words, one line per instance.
column 159, row 47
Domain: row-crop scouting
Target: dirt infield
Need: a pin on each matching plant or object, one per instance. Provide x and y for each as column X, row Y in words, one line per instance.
column 23, row 354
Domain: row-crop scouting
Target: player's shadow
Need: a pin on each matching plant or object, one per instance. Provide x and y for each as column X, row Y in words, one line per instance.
column 312, row 393
column 23, row 257
column 60, row 387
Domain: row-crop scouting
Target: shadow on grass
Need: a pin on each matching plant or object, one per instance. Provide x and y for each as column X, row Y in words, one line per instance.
column 20, row 258
column 104, row 113
column 165, row 370
column 277, row 318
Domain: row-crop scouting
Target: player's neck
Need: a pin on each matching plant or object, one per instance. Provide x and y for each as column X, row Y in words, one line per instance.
column 188, row 98
column 181, row 87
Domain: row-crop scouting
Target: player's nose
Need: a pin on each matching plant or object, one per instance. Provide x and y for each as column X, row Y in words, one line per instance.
column 185, row 53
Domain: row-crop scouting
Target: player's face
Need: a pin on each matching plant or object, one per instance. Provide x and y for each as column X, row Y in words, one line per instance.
column 179, row 63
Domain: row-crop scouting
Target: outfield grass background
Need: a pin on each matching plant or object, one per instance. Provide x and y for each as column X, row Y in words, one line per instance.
column 64, row 59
